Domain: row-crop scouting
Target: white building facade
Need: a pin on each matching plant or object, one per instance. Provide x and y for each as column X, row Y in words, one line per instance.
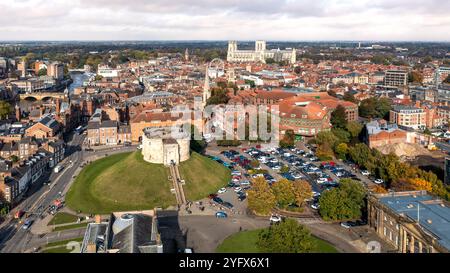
column 260, row 54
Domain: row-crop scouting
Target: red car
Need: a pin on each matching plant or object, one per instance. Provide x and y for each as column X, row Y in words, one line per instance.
column 19, row 214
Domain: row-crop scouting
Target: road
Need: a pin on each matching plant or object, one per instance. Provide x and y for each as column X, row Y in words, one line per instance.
column 13, row 238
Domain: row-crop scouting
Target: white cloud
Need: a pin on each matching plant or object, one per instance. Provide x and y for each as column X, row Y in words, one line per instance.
column 225, row 19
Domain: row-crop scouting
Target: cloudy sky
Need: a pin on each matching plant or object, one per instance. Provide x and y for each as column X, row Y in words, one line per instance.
column 225, row 19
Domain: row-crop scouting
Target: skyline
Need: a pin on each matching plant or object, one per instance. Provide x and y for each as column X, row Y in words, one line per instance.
column 288, row 20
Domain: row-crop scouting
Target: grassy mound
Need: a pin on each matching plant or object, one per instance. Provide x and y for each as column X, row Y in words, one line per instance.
column 203, row 176
column 120, row 182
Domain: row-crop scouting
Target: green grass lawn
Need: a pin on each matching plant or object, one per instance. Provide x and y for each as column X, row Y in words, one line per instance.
column 245, row 242
column 60, row 246
column 120, row 182
column 64, row 242
column 63, row 218
column 74, row 226
column 203, row 176
column 60, row 249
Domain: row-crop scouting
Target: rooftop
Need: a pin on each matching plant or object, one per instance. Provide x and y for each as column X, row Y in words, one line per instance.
column 432, row 214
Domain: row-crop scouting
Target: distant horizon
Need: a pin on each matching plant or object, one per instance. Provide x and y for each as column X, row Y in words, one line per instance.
column 211, row 20
column 238, row 40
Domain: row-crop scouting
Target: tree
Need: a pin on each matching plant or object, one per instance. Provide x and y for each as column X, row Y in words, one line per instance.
column 342, row 135
column 42, row 72
column 383, row 107
column 378, row 189
column 324, row 152
column 412, row 184
column 447, row 80
column 427, row 59
column 415, row 77
column 284, row 169
column 219, row 95
column 254, row 164
column 326, row 137
column 346, row 202
column 5, row 109
column 261, row 199
column 362, row 155
column 338, row 117
column 349, row 97
column 286, row 237
column 374, row 108
column 354, row 128
column 342, row 150
column 288, row 139
column 284, row 193
column 14, row 158
column 302, row 192
column 332, row 93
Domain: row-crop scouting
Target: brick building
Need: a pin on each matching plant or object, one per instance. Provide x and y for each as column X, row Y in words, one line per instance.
column 380, row 133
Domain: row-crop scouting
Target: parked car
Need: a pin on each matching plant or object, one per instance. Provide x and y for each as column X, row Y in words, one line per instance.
column 237, row 189
column 275, row 219
column 315, row 206
column 228, row 205
column 378, row 181
column 222, row 190
column 221, row 214
column 245, row 183
column 322, row 180
column 365, row 172
column 347, row 224
column 218, row 200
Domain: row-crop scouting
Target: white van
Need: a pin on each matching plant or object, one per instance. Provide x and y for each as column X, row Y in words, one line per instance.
column 58, row 168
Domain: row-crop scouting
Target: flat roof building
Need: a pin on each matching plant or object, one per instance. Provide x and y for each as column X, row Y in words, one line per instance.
column 413, row 221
